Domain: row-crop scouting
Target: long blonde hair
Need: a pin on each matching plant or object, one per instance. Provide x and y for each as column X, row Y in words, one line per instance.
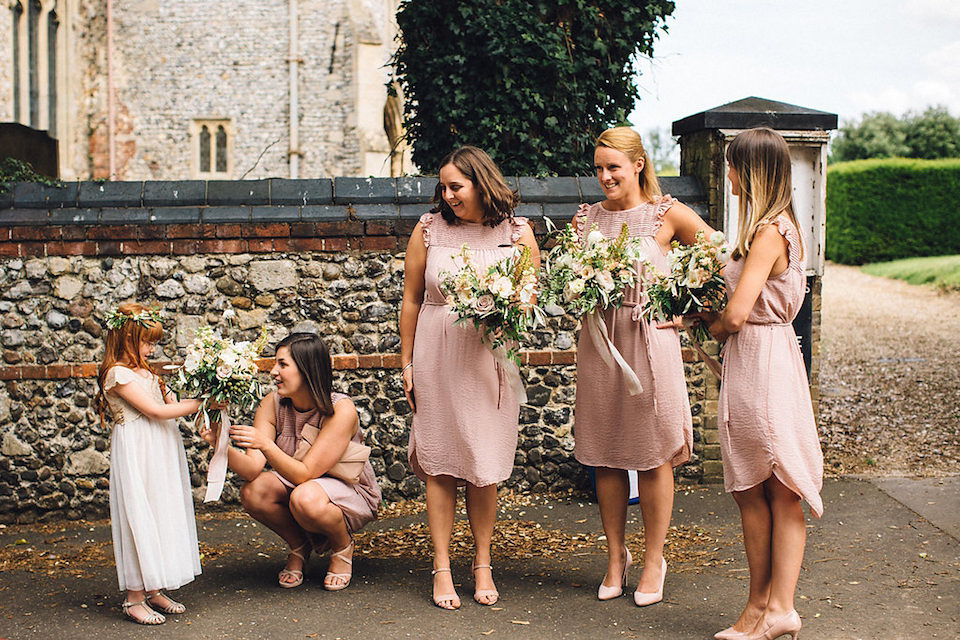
column 628, row 142
column 761, row 159
column 123, row 345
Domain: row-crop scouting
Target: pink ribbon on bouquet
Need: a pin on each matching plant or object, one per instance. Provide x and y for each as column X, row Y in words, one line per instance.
column 597, row 328
column 511, row 372
column 217, row 469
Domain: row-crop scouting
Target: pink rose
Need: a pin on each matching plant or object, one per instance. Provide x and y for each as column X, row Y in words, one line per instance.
column 483, row 304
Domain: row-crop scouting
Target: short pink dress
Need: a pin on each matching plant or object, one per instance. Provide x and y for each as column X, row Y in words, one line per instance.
column 467, row 416
column 612, row 428
column 358, row 502
column 765, row 414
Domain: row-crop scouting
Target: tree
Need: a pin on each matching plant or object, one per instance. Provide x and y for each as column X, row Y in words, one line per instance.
column 877, row 135
column 662, row 150
column 931, row 134
column 532, row 82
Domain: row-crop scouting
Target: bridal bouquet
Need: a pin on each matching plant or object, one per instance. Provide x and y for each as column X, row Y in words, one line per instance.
column 582, row 277
column 693, row 284
column 499, row 300
column 220, row 370
column 586, row 277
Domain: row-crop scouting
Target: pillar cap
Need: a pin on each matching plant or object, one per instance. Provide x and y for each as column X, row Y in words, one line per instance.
column 756, row 112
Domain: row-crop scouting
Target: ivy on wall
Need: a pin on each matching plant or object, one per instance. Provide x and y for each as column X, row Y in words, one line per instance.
column 530, row 81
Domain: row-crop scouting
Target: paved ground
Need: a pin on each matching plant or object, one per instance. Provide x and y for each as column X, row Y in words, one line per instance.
column 884, row 562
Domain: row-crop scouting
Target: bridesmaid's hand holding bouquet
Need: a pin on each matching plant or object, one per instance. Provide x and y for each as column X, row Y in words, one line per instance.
column 582, row 277
column 694, row 284
column 500, row 301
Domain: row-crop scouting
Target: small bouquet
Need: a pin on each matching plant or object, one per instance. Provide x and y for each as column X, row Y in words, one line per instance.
column 582, row 277
column 586, row 277
column 500, row 300
column 693, row 284
column 223, row 371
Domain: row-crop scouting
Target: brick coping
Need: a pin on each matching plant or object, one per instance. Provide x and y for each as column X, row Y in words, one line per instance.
column 341, row 362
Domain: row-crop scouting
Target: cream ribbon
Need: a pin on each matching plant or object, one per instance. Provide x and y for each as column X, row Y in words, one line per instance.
column 597, row 328
column 511, row 372
column 217, row 469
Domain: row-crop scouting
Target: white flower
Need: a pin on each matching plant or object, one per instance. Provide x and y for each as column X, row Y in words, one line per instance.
column 573, row 289
column 224, row 372
column 716, row 238
column 605, row 280
column 594, row 237
column 192, row 362
column 229, row 314
column 502, row 287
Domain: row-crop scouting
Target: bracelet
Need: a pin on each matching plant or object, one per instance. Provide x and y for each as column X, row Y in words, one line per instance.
column 404, row 370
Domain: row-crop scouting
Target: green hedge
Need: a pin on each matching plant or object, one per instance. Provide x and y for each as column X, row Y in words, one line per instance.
column 886, row 209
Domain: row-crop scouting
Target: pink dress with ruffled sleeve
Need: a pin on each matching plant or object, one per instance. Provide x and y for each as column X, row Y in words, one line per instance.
column 465, row 425
column 614, row 429
column 766, row 418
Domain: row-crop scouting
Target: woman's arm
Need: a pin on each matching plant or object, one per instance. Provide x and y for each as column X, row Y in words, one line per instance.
column 527, row 239
column 249, row 462
column 767, row 252
column 139, row 399
column 325, row 452
column 414, row 285
column 681, row 223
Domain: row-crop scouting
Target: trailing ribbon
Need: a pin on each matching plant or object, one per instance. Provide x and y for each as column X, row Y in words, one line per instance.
column 711, row 362
column 217, row 470
column 597, row 328
column 511, row 372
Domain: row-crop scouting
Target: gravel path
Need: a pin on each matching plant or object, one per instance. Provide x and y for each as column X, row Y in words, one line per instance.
column 890, row 376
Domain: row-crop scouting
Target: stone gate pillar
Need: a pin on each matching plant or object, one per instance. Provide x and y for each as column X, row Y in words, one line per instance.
column 703, row 144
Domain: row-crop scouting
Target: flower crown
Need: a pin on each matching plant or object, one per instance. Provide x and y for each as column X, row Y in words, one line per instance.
column 116, row 318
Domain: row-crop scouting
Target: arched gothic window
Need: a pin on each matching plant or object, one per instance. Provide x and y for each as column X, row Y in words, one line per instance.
column 212, row 146
column 35, row 36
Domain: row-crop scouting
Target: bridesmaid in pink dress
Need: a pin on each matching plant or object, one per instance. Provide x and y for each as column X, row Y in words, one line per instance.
column 652, row 431
column 768, row 437
column 465, row 415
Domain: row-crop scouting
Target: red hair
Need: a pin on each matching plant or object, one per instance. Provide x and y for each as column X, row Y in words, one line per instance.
column 123, row 347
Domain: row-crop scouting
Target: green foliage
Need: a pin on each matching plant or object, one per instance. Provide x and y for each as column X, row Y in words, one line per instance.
column 532, row 82
column 932, row 134
column 880, row 210
column 13, row 171
column 663, row 151
column 941, row 271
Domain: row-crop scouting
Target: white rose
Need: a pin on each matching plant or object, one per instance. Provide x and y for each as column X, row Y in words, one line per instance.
column 502, row 287
column 605, row 280
column 594, row 237
column 224, row 372
column 716, row 238
column 573, row 289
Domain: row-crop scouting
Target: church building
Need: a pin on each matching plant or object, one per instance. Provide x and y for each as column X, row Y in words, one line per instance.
column 205, row 89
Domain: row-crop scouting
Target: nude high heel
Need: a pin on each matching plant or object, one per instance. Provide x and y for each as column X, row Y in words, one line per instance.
column 730, row 634
column 787, row 624
column 643, row 599
column 609, row 593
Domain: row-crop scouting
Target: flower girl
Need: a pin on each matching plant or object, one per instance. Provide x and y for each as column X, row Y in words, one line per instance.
column 151, row 507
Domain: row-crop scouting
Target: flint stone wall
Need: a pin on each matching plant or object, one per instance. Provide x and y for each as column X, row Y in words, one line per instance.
column 323, row 255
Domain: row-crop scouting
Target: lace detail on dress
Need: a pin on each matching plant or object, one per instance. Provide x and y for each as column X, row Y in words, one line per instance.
column 425, row 221
column 518, row 224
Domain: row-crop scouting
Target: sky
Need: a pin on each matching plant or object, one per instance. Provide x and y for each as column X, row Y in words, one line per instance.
column 842, row 56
